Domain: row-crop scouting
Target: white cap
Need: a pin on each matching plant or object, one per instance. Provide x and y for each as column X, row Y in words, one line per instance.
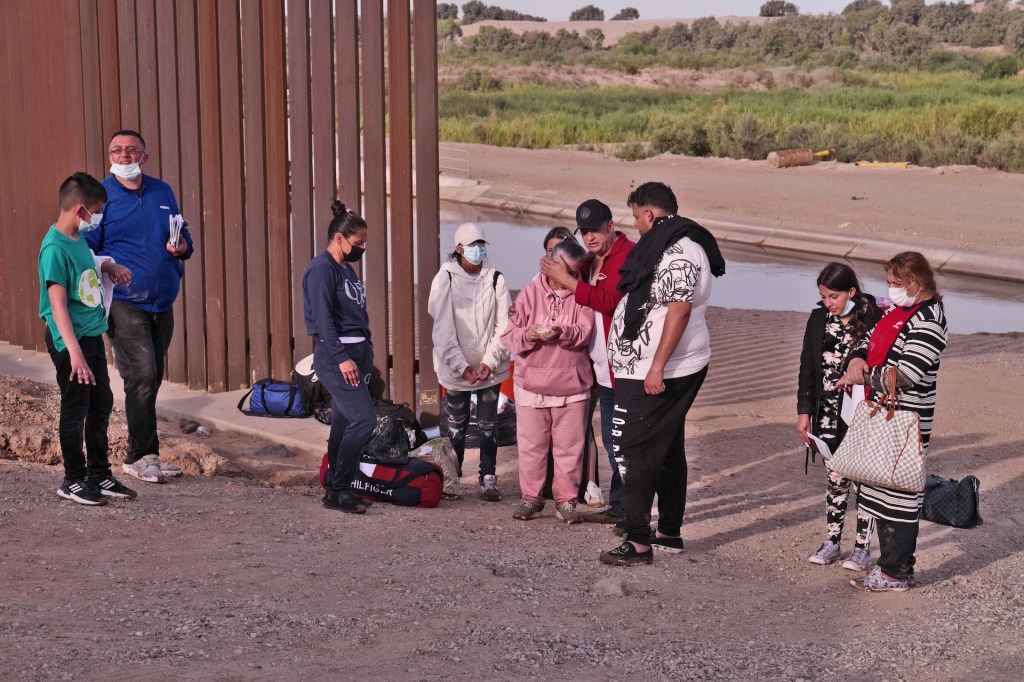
column 469, row 233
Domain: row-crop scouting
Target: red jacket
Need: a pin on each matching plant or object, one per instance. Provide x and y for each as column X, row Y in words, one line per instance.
column 604, row 296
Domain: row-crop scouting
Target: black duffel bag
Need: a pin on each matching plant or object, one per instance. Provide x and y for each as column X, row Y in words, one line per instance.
column 951, row 502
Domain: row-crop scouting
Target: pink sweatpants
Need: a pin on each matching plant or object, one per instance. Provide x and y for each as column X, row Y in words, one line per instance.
column 560, row 428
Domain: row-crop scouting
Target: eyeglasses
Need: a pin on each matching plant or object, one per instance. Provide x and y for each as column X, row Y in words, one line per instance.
column 130, row 151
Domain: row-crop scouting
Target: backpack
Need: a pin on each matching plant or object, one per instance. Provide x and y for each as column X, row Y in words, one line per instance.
column 314, row 394
column 273, row 398
column 414, row 484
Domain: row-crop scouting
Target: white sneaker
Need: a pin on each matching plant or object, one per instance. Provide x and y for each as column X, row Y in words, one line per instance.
column 859, row 559
column 827, row 554
column 168, row 469
column 146, row 469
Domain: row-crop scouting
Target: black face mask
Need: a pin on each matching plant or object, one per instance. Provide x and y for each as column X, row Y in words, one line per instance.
column 355, row 255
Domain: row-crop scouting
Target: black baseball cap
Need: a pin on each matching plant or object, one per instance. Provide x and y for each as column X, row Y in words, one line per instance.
column 592, row 215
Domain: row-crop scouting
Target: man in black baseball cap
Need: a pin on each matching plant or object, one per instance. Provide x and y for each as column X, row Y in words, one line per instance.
column 597, row 288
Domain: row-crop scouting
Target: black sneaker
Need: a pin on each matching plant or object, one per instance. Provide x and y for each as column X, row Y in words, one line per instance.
column 670, row 545
column 111, row 487
column 344, row 501
column 81, row 491
column 626, row 555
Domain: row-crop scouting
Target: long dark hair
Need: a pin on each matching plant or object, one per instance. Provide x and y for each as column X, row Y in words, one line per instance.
column 841, row 277
column 344, row 221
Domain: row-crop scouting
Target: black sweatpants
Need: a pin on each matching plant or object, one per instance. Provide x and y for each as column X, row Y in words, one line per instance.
column 648, row 437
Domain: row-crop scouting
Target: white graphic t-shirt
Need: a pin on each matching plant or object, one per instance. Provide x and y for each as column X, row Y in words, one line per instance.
column 682, row 275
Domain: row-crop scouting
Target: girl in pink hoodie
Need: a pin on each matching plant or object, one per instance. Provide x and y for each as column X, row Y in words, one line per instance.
column 549, row 334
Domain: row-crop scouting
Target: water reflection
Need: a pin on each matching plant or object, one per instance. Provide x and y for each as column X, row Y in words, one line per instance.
column 756, row 279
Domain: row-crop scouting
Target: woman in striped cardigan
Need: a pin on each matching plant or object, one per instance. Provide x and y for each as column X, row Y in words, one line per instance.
column 911, row 338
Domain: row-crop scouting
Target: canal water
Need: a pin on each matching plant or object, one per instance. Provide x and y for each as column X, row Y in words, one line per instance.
column 755, row 279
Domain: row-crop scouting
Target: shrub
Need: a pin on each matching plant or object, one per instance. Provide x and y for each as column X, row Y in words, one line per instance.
column 680, row 135
column 751, row 138
column 587, row 13
column 627, row 14
column 944, row 61
column 1001, row 67
column 631, row 151
column 1006, row 152
column 950, row 146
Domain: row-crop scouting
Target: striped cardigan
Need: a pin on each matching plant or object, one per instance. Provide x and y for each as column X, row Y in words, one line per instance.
column 915, row 354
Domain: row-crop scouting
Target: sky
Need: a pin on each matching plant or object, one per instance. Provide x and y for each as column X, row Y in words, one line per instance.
column 559, row 10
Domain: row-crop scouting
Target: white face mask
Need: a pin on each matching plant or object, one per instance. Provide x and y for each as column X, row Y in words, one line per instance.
column 92, row 224
column 474, row 253
column 900, row 297
column 848, row 309
column 128, row 171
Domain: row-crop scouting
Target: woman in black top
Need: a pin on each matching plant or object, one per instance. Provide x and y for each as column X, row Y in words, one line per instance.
column 334, row 304
column 843, row 317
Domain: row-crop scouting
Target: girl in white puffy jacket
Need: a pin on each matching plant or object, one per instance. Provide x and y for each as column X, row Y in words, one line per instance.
column 469, row 304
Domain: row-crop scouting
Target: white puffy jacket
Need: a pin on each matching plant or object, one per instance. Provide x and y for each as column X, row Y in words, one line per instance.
column 470, row 315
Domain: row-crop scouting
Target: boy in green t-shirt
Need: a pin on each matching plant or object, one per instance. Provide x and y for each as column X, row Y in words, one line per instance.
column 71, row 303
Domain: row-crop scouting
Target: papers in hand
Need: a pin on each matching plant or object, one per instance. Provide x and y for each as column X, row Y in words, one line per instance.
column 819, row 446
column 177, row 222
column 850, row 401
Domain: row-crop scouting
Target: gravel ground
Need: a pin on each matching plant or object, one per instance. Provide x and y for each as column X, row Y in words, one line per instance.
column 215, row 577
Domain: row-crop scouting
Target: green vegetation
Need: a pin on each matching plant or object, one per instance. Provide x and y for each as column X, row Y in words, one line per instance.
column 933, row 119
column 901, row 81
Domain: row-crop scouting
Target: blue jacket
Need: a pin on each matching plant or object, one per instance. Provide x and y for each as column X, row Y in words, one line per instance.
column 134, row 233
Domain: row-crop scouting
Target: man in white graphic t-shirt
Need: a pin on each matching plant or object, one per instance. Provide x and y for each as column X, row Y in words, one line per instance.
column 659, row 351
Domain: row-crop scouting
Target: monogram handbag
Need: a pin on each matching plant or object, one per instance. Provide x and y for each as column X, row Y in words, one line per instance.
column 883, row 445
column 952, row 502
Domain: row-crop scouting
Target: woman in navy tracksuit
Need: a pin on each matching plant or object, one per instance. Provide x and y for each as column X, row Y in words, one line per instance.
column 334, row 303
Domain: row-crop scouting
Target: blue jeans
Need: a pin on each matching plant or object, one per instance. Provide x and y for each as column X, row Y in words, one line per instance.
column 606, row 396
column 84, row 410
column 352, row 415
column 457, row 407
column 140, row 340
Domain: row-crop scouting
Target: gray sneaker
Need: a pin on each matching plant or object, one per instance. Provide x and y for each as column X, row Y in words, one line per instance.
column 168, row 469
column 876, row 581
column 859, row 560
column 527, row 510
column 827, row 554
column 489, row 488
column 146, row 469
column 567, row 512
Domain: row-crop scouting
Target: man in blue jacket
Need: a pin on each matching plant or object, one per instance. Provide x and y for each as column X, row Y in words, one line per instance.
column 136, row 233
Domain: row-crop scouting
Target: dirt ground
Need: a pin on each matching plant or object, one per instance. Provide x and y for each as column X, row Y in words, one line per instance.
column 232, row 577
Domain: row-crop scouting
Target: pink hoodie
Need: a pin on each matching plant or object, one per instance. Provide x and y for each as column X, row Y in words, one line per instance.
column 560, row 367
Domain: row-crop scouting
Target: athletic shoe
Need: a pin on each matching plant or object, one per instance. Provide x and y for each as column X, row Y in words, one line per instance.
column 910, row 579
column 489, row 488
column 827, row 554
column 111, row 487
column 146, row 469
column 626, row 555
column 859, row 560
column 168, row 469
column 567, row 512
column 669, row 545
column 344, row 501
column 527, row 510
column 876, row 581
column 81, row 491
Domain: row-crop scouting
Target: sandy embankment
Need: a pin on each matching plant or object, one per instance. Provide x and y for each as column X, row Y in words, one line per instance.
column 967, row 220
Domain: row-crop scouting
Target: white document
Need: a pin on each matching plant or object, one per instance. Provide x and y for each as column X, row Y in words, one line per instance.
column 850, row 401
column 176, row 223
column 819, row 446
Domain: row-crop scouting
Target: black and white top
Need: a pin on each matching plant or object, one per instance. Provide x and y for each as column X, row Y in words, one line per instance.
column 835, row 346
column 682, row 275
column 915, row 354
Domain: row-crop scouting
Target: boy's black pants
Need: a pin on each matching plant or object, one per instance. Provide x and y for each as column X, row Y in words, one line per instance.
column 84, row 410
